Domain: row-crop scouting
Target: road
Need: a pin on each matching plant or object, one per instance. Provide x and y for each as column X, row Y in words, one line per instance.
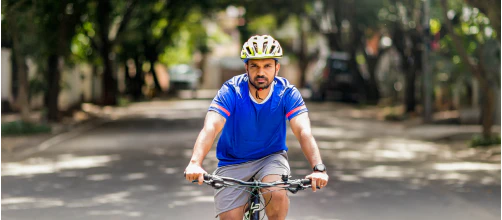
column 130, row 167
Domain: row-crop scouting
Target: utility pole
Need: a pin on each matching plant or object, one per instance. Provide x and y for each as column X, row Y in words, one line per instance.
column 427, row 82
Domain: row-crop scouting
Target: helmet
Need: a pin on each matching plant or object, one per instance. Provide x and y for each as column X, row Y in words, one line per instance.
column 261, row 47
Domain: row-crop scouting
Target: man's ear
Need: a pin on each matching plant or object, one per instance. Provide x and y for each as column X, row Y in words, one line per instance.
column 277, row 68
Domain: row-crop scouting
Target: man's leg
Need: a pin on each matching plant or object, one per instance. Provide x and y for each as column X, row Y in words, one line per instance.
column 277, row 201
column 234, row 214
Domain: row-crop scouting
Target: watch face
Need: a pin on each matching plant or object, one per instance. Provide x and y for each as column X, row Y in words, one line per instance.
column 320, row 167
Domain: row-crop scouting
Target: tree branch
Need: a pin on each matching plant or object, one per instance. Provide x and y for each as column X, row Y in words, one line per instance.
column 458, row 44
column 125, row 19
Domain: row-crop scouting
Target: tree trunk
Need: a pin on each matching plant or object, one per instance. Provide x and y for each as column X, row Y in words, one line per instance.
column 302, row 55
column 488, row 110
column 53, row 87
column 409, row 91
column 22, row 72
column 153, row 60
column 137, row 81
column 410, row 59
column 373, row 94
column 109, row 82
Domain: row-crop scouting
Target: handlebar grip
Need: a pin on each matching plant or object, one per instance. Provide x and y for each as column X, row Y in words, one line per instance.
column 206, row 176
column 306, row 181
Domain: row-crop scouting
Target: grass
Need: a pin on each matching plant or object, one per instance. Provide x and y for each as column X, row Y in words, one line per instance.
column 23, row 128
column 480, row 141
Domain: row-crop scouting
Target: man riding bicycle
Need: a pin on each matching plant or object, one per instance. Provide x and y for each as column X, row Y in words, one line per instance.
column 251, row 111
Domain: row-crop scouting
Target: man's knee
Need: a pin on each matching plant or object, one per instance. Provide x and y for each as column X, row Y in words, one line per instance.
column 236, row 213
column 275, row 197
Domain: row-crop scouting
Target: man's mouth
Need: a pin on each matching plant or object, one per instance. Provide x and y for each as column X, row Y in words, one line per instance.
column 261, row 80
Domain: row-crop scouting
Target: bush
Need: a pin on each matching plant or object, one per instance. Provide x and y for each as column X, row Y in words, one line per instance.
column 20, row 128
column 480, row 141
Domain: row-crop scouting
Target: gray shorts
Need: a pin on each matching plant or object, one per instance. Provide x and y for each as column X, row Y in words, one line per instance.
column 226, row 198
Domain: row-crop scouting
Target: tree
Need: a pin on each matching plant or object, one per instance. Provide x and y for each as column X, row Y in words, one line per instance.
column 474, row 62
column 491, row 8
column 15, row 14
column 64, row 16
column 109, row 19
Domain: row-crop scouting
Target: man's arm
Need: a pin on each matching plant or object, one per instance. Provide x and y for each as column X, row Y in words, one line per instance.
column 213, row 124
column 301, row 128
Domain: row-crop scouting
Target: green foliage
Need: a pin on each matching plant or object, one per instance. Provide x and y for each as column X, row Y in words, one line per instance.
column 23, row 128
column 480, row 141
column 478, row 38
column 263, row 24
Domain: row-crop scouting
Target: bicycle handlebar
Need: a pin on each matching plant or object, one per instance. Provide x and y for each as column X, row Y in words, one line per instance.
column 291, row 185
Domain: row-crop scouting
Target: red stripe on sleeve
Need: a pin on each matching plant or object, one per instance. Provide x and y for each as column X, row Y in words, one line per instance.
column 295, row 110
column 220, row 108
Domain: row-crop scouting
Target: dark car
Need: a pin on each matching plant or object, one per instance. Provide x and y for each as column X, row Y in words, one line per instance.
column 334, row 80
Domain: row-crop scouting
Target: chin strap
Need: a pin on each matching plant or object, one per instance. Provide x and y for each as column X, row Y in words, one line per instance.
column 257, row 96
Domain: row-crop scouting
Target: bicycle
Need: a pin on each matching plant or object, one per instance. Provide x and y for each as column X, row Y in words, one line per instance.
column 253, row 206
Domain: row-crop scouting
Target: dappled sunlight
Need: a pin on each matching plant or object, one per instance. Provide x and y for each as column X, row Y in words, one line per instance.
column 99, row 177
column 336, row 133
column 44, row 166
column 385, row 149
column 172, row 170
column 17, row 203
column 134, row 176
column 188, row 193
column 115, row 212
column 349, row 178
column 192, row 201
column 387, row 172
column 472, row 166
column 120, row 197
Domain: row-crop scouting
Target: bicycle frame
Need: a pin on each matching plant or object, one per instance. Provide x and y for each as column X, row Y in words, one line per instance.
column 253, row 211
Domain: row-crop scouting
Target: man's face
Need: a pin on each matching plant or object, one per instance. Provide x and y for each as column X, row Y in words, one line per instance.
column 262, row 72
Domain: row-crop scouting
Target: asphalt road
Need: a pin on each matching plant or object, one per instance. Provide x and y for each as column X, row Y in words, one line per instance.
column 130, row 167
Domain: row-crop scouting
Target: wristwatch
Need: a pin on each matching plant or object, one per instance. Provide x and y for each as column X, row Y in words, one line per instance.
column 319, row 168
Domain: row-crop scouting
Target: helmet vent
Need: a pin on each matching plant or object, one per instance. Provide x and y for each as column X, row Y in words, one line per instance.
column 249, row 51
column 272, row 49
column 255, row 46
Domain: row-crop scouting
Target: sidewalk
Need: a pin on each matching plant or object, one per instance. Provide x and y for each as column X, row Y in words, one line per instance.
column 14, row 146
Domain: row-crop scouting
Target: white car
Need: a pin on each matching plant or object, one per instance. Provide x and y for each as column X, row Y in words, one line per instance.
column 184, row 76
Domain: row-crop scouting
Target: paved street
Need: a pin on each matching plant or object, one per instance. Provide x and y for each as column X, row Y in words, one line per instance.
column 130, row 166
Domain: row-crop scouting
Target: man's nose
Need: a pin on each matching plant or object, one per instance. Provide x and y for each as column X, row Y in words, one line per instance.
column 260, row 72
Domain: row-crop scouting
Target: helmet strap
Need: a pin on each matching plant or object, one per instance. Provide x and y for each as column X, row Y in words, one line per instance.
column 257, row 88
column 257, row 95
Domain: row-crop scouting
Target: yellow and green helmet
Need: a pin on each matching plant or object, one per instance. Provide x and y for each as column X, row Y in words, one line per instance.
column 261, row 47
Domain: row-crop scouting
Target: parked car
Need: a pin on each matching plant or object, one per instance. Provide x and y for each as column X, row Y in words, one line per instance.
column 334, row 80
column 184, row 76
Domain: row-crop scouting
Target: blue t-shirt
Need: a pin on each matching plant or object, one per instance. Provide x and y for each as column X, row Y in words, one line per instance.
column 253, row 130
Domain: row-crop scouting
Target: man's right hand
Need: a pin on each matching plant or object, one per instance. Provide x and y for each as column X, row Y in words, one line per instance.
column 195, row 172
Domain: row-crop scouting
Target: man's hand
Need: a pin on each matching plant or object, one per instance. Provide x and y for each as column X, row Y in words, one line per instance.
column 319, row 179
column 194, row 172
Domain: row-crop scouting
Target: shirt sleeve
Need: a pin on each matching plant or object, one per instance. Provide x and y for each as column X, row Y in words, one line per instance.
column 294, row 104
column 223, row 102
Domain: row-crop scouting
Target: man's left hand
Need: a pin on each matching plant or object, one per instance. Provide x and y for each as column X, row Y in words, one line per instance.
column 319, row 179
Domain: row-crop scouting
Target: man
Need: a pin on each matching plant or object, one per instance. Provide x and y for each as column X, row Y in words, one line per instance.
column 252, row 109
